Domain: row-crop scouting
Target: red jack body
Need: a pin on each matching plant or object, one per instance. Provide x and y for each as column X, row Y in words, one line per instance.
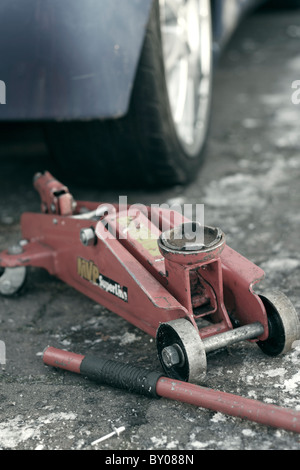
column 128, row 262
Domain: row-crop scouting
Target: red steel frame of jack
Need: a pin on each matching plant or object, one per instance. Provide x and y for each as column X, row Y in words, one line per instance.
column 192, row 297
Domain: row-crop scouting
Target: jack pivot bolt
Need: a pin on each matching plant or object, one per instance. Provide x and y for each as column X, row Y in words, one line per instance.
column 88, row 237
column 171, row 356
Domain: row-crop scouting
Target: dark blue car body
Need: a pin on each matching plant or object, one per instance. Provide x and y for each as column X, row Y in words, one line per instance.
column 77, row 60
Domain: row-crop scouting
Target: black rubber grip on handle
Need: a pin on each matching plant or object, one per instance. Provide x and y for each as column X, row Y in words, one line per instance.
column 123, row 376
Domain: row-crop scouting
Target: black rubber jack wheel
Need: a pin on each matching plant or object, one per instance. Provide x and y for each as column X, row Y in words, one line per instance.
column 140, row 149
column 283, row 322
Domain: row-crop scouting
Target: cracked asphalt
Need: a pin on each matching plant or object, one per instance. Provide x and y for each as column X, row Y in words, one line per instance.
column 250, row 187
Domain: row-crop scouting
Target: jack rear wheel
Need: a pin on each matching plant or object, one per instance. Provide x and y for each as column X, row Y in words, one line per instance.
column 284, row 324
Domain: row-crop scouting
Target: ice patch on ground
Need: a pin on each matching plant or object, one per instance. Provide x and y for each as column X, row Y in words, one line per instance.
column 294, row 355
column 15, row 431
column 224, row 192
column 280, row 371
column 197, row 445
column 172, row 445
column 126, row 338
column 248, row 432
column 293, row 63
column 247, row 190
column 281, row 265
column 159, row 441
column 274, row 99
column 293, row 383
column 19, row 430
column 218, row 417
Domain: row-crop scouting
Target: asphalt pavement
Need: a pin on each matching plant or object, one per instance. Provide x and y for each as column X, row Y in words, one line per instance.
column 250, row 187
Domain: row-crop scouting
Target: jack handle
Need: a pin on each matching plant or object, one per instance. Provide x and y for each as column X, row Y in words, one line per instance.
column 155, row 385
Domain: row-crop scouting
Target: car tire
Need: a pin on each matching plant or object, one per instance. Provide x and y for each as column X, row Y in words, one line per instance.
column 148, row 146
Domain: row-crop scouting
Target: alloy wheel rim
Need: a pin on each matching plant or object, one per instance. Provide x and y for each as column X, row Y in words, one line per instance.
column 187, row 52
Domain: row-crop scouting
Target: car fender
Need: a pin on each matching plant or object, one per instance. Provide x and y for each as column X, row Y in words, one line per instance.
column 69, row 59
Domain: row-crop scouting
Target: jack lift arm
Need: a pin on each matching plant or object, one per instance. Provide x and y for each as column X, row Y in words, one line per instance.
column 148, row 265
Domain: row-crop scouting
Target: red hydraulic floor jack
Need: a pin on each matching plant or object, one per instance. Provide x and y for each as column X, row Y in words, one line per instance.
column 192, row 296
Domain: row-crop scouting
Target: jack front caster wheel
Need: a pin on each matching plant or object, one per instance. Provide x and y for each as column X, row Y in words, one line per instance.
column 12, row 280
column 181, row 351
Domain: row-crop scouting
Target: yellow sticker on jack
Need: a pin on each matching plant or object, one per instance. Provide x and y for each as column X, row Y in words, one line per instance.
column 141, row 233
